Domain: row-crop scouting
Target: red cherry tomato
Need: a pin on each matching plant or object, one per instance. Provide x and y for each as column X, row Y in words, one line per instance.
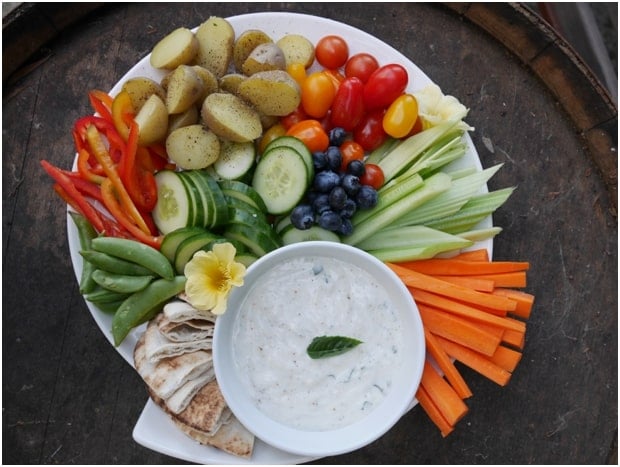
column 361, row 65
column 373, row 176
column 369, row 133
column 317, row 94
column 331, row 52
column 348, row 105
column 311, row 133
column 295, row 116
column 350, row 151
column 384, row 85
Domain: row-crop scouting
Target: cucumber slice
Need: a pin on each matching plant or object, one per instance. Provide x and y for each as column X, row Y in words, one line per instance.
column 173, row 209
column 189, row 246
column 282, row 224
column 215, row 206
column 243, row 192
column 281, row 179
column 172, row 240
column 314, row 233
column 257, row 241
column 236, row 160
column 245, row 259
column 243, row 217
column 197, row 210
column 237, row 203
column 299, row 146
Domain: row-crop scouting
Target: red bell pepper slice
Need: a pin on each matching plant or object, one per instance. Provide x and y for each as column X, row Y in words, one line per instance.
column 101, row 103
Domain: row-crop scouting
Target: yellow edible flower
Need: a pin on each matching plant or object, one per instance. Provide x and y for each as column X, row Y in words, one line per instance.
column 435, row 108
column 211, row 275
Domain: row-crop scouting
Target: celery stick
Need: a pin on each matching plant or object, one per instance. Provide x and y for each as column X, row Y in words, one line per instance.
column 472, row 212
column 407, row 151
column 431, row 187
column 442, row 152
column 480, row 234
column 449, row 202
column 379, row 153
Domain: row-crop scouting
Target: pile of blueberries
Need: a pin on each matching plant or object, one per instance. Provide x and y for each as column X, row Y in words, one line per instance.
column 335, row 195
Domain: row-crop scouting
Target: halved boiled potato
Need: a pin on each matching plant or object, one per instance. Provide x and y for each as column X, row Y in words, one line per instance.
column 230, row 82
column 246, row 43
column 271, row 92
column 216, row 38
column 209, row 81
column 231, row 118
column 264, row 57
column 177, row 48
column 297, row 49
column 189, row 117
column 140, row 89
column 193, row 147
column 152, row 120
column 184, row 89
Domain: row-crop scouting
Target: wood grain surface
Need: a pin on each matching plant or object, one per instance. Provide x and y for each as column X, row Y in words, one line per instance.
column 69, row 398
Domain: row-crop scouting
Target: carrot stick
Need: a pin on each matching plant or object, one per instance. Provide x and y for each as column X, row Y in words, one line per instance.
column 466, row 311
column 473, row 255
column 476, row 361
column 506, row 358
column 459, row 330
column 525, row 301
column 514, row 338
column 447, row 366
column 430, row 284
column 450, row 405
column 459, row 267
column 481, row 285
column 505, row 279
column 433, row 412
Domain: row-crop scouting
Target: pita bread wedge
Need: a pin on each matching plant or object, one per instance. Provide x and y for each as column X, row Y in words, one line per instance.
column 157, row 346
column 170, row 375
column 182, row 322
column 182, row 398
column 232, row 437
column 179, row 311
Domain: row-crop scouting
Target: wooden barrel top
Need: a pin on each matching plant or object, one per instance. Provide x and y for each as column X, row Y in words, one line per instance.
column 70, row 398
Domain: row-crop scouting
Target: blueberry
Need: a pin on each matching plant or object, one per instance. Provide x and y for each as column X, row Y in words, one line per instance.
column 319, row 159
column 366, row 197
column 325, row 181
column 337, row 136
column 302, row 216
column 346, row 227
column 321, row 203
column 334, row 158
column 356, row 167
column 349, row 209
column 337, row 198
column 330, row 220
column 351, row 184
column 311, row 196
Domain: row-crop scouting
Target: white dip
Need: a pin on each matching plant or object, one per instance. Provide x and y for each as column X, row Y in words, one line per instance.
column 303, row 298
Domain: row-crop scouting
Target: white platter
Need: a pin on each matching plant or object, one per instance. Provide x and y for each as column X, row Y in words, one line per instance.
column 154, row 430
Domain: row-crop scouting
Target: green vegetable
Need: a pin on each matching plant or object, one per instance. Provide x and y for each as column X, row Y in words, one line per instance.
column 141, row 306
column 328, row 346
column 113, row 264
column 100, row 295
column 121, row 283
column 136, row 252
column 86, row 234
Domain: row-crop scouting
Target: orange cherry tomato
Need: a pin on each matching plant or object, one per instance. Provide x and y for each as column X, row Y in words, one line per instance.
column 401, row 116
column 317, row 94
column 297, row 72
column 272, row 133
column 336, row 77
column 350, row 151
column 311, row 132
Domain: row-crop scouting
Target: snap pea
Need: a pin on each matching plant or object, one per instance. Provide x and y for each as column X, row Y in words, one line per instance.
column 139, row 253
column 110, row 307
column 113, row 264
column 86, row 233
column 121, row 283
column 100, row 295
column 143, row 305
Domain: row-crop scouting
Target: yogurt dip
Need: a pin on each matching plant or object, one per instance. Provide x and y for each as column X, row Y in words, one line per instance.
column 295, row 301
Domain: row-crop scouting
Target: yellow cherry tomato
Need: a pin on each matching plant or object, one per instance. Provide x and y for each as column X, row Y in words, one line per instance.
column 272, row 133
column 297, row 72
column 401, row 116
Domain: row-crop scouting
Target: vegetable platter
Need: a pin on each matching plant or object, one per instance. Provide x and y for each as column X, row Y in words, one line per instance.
column 151, row 430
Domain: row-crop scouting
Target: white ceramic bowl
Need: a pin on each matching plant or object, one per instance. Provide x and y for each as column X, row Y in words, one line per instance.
column 405, row 381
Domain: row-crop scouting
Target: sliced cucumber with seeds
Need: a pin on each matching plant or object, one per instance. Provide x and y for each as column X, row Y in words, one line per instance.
column 213, row 201
column 314, row 233
column 243, row 192
column 281, row 179
column 173, row 239
column 174, row 207
column 299, row 146
column 188, row 247
column 197, row 200
column 236, row 160
column 259, row 242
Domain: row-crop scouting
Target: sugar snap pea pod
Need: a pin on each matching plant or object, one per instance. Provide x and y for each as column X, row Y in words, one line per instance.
column 110, row 307
column 142, row 305
column 139, row 253
column 100, row 295
column 86, row 233
column 113, row 264
column 121, row 283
